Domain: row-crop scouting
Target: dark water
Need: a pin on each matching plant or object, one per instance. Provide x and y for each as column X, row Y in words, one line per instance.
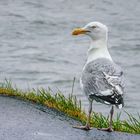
column 37, row 49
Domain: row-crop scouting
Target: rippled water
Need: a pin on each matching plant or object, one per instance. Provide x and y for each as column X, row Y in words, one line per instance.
column 37, row 49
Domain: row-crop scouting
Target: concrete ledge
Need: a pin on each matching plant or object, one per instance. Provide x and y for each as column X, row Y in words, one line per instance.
column 20, row 120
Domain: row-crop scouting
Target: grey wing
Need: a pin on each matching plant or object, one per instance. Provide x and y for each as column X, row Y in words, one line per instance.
column 103, row 81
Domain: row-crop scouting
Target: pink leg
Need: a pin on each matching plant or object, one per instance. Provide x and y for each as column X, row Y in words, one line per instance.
column 87, row 126
column 109, row 129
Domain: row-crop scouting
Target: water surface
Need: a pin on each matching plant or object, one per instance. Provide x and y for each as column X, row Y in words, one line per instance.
column 37, row 49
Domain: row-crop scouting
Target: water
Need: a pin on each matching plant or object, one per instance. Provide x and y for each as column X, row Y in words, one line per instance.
column 37, row 49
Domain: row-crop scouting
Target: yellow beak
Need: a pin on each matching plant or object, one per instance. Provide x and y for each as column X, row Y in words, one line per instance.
column 78, row 31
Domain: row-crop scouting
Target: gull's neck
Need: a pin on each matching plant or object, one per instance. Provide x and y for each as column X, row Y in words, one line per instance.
column 98, row 49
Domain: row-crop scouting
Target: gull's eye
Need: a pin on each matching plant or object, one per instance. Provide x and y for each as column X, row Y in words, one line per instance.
column 93, row 26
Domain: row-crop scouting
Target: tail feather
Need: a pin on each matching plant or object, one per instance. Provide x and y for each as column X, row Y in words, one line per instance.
column 109, row 99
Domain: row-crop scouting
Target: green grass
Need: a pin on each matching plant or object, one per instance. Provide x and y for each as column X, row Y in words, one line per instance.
column 71, row 107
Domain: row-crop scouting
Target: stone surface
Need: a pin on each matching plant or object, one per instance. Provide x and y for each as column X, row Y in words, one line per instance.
column 20, row 120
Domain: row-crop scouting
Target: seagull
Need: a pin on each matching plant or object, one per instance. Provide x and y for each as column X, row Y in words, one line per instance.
column 102, row 79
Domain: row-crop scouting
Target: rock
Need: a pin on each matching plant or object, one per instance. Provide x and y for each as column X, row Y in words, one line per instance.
column 20, row 120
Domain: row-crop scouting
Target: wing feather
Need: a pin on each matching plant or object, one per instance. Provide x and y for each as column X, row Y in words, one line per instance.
column 103, row 81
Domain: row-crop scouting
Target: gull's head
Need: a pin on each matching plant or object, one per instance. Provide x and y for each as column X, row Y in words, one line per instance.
column 95, row 30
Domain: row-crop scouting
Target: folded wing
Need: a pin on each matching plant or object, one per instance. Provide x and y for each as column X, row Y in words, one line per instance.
column 102, row 80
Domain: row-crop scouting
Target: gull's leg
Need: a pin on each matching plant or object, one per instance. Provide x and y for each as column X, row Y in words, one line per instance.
column 87, row 126
column 89, row 115
column 109, row 129
column 111, row 118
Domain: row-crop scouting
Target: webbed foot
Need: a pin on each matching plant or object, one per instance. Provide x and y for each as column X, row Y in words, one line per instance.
column 86, row 127
column 106, row 129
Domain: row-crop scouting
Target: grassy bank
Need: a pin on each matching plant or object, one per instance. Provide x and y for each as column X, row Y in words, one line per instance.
column 72, row 107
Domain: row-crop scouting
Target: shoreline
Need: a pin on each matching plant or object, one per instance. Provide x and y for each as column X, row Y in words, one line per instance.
column 70, row 107
column 27, row 120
